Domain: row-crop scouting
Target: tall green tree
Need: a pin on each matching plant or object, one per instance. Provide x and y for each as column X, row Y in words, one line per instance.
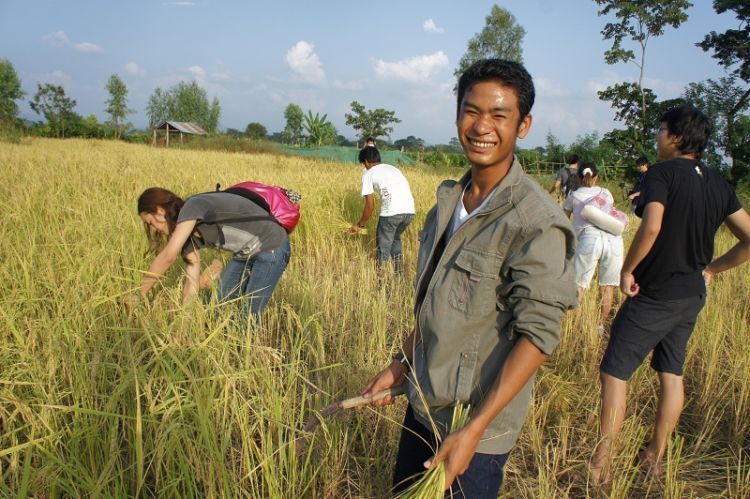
column 375, row 123
column 255, row 131
column 10, row 91
column 732, row 49
column 733, row 46
column 159, row 107
column 637, row 21
column 51, row 102
column 117, row 104
column 184, row 102
column 214, row 114
column 723, row 102
column 555, row 151
column 410, row 143
column 501, row 37
column 294, row 117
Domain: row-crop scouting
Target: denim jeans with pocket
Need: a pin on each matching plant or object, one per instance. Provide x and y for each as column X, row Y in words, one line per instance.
column 254, row 279
column 388, row 237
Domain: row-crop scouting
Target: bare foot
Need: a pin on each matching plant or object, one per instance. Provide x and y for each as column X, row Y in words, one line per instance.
column 650, row 463
column 600, row 473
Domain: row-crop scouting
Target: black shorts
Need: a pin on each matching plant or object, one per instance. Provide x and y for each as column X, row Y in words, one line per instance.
column 644, row 324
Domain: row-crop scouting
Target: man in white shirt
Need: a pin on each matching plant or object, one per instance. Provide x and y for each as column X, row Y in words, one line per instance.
column 396, row 204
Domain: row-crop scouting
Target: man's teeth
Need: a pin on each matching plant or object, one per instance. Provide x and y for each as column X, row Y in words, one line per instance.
column 483, row 145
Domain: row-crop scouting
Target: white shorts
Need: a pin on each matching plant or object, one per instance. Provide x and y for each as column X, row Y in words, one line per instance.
column 596, row 246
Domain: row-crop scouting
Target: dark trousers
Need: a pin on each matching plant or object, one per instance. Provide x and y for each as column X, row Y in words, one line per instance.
column 481, row 480
column 388, row 238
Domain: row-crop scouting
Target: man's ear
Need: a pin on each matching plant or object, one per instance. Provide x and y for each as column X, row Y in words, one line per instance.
column 524, row 126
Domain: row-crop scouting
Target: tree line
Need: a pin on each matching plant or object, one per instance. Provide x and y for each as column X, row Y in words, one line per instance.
column 633, row 24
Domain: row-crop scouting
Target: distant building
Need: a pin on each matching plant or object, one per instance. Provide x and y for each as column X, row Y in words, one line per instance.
column 176, row 127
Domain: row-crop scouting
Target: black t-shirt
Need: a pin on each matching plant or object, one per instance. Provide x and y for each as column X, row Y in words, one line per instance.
column 696, row 202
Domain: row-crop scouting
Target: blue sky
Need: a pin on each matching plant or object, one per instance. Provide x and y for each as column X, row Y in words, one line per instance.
column 257, row 57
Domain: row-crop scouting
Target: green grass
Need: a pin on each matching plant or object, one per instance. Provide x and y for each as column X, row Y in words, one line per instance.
column 176, row 401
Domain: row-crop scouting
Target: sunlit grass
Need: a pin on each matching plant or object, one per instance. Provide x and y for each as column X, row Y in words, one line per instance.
column 181, row 402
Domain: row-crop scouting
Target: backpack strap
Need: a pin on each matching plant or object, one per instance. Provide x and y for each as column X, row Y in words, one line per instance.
column 250, row 197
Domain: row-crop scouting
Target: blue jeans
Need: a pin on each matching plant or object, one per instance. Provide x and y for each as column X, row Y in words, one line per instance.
column 388, row 237
column 481, row 480
column 254, row 279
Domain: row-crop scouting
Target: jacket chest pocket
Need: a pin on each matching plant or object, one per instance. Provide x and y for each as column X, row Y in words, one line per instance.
column 474, row 282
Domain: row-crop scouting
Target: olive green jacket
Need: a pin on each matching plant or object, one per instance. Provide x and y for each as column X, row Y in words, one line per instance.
column 505, row 272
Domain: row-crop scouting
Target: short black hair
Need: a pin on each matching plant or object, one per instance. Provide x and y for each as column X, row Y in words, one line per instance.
column 507, row 73
column 573, row 158
column 369, row 154
column 370, row 139
column 643, row 160
column 691, row 124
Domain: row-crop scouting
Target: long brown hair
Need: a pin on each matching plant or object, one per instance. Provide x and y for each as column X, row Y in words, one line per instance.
column 148, row 202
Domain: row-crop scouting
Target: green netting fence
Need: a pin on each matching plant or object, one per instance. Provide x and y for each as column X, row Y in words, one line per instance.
column 345, row 154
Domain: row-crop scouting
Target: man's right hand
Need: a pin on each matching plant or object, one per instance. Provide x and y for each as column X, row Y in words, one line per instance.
column 392, row 376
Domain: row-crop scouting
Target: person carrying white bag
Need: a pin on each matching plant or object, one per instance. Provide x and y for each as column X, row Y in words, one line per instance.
column 598, row 226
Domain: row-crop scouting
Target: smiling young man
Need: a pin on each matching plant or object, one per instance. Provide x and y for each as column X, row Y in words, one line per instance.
column 682, row 205
column 494, row 277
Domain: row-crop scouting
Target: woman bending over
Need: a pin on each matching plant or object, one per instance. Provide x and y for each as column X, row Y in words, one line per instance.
column 231, row 222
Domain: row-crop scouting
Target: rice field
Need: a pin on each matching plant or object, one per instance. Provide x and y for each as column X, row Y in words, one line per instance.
column 173, row 401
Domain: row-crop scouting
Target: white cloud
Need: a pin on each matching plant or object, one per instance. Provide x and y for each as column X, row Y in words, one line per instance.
column 664, row 89
column 599, row 83
column 134, row 69
column 414, row 69
column 305, row 63
column 430, row 27
column 198, row 72
column 348, row 85
column 548, row 88
column 56, row 77
column 59, row 39
column 87, row 48
column 221, row 76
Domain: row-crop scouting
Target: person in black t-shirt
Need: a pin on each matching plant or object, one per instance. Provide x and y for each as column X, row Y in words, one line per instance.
column 664, row 275
column 635, row 192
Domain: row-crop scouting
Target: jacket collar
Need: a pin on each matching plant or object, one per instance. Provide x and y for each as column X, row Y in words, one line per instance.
column 451, row 190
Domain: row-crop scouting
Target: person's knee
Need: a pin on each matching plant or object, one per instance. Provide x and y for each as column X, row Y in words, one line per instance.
column 670, row 381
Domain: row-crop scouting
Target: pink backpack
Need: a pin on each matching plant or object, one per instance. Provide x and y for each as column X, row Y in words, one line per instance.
column 282, row 204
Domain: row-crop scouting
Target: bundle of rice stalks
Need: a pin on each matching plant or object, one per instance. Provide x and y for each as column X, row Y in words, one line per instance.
column 340, row 224
column 432, row 482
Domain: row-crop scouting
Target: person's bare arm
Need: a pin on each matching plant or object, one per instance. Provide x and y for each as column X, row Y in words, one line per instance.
column 167, row 256
column 192, row 276
column 394, row 374
column 459, row 447
column 366, row 212
column 643, row 241
column 739, row 224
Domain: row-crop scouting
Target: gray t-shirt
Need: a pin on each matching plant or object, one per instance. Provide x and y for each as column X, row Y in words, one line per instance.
column 231, row 222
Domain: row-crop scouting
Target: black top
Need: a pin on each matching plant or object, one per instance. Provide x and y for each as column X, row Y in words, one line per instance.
column 696, row 202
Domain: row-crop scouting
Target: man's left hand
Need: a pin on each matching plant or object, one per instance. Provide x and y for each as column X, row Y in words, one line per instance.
column 457, row 450
column 628, row 284
column 354, row 229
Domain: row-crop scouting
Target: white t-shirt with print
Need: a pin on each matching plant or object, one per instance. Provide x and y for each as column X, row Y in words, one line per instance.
column 392, row 188
column 598, row 196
